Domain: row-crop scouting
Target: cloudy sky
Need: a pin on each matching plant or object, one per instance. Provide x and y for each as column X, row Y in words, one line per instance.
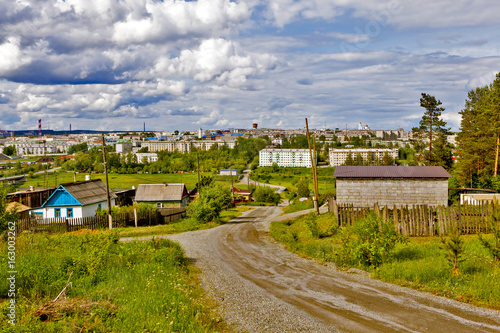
column 116, row 64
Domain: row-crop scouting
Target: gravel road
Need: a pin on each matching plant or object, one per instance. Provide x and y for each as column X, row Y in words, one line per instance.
column 261, row 287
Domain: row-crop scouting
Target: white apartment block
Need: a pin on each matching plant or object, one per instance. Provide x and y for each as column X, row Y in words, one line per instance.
column 183, row 146
column 285, row 157
column 171, row 146
column 338, row 156
column 146, row 157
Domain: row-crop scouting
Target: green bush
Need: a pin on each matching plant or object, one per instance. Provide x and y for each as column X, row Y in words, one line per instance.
column 210, row 202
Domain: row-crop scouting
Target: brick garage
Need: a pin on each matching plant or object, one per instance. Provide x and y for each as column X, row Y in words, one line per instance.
column 364, row 186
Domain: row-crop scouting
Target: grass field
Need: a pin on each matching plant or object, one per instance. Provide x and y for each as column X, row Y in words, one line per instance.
column 419, row 262
column 115, row 286
column 121, row 181
column 289, row 177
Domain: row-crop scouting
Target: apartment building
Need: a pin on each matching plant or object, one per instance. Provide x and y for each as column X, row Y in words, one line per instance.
column 339, row 156
column 285, row 157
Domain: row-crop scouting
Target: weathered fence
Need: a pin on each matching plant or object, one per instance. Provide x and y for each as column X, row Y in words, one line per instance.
column 422, row 220
column 58, row 225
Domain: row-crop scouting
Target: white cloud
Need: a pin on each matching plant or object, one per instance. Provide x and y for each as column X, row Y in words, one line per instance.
column 10, row 55
column 216, row 59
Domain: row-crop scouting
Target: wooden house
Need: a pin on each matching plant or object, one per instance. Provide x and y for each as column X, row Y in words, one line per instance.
column 75, row 200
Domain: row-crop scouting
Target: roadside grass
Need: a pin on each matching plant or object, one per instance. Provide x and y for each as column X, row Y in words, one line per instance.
column 297, row 206
column 416, row 262
column 123, row 181
column 115, row 286
column 185, row 224
column 289, row 177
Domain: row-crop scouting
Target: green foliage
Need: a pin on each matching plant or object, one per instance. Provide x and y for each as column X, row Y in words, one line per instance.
column 267, row 195
column 205, row 181
column 373, row 240
column 479, row 130
column 493, row 247
column 9, row 150
column 387, row 159
column 432, row 129
column 209, row 204
column 5, row 215
column 78, row 147
column 134, row 286
column 303, row 189
column 454, row 248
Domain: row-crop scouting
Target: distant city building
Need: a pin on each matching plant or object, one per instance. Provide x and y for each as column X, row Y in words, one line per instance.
column 146, row 157
column 339, row 156
column 285, row 157
column 228, row 172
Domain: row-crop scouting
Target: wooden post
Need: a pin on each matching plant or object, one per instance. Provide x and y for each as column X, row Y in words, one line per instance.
column 496, row 154
column 315, row 199
column 336, row 211
column 199, row 181
column 135, row 217
column 110, row 219
column 395, row 219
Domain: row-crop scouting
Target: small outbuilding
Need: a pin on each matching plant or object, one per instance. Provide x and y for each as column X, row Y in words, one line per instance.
column 391, row 186
column 162, row 195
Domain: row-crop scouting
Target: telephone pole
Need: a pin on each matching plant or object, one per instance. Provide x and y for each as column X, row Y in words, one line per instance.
column 104, row 164
column 315, row 198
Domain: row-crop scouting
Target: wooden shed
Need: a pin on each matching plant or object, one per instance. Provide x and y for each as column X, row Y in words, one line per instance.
column 391, row 186
column 162, row 195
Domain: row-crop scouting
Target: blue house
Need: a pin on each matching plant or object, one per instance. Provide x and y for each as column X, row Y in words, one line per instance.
column 75, row 200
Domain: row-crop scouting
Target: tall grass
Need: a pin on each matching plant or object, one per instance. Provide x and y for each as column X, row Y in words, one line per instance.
column 116, row 287
column 418, row 262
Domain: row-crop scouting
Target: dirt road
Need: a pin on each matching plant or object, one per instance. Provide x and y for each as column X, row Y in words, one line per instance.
column 263, row 288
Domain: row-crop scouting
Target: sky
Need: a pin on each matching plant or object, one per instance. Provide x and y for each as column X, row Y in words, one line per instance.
column 183, row 65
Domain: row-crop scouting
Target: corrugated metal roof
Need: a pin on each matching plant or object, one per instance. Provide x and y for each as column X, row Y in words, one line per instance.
column 89, row 192
column 390, row 172
column 160, row 192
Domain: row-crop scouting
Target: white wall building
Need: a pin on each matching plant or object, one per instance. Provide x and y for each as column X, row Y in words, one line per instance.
column 285, row 157
column 146, row 157
column 338, row 156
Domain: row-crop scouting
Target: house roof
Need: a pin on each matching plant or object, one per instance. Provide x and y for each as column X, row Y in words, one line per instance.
column 17, row 207
column 86, row 193
column 160, row 192
column 407, row 172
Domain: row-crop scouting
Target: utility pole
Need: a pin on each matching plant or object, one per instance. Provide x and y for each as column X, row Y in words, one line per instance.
column 315, row 198
column 104, row 164
column 496, row 154
column 198, row 159
column 315, row 169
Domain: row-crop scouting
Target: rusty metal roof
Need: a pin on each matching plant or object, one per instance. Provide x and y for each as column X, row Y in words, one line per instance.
column 160, row 192
column 89, row 192
column 390, row 172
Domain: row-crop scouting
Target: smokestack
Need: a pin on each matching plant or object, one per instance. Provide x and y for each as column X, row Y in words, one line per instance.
column 144, row 127
column 40, row 127
column 70, row 127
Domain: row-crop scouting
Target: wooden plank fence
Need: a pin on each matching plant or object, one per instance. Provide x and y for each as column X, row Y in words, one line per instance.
column 422, row 220
column 60, row 225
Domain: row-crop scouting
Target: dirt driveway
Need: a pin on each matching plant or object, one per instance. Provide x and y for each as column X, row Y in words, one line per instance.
column 261, row 287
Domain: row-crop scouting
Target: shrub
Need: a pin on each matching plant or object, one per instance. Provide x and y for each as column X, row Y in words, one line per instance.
column 374, row 239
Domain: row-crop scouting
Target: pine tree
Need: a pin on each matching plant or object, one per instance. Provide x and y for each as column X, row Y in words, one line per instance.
column 432, row 129
column 479, row 132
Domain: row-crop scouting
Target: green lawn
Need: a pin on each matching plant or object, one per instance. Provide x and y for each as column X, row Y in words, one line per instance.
column 289, row 177
column 121, row 181
column 186, row 224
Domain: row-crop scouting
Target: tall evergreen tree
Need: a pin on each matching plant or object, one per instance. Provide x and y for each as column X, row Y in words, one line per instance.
column 479, row 132
column 432, row 129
